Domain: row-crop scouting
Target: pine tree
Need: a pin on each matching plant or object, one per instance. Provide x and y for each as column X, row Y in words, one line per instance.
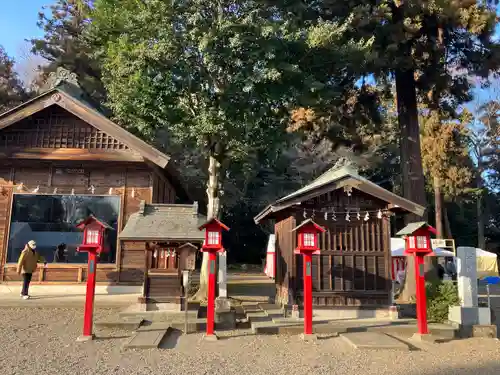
column 63, row 45
column 429, row 49
column 11, row 89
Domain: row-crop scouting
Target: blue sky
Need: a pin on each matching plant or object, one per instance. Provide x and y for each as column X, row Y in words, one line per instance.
column 18, row 22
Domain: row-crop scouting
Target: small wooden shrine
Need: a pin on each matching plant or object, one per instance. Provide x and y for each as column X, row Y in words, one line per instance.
column 160, row 241
column 353, row 268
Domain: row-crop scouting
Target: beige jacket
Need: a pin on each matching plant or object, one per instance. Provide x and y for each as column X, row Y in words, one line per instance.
column 27, row 261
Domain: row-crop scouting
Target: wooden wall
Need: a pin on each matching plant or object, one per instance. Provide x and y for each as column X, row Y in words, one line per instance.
column 131, row 182
column 353, row 268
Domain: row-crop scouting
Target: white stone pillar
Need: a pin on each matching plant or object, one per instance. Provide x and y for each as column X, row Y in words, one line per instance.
column 222, row 276
column 467, row 276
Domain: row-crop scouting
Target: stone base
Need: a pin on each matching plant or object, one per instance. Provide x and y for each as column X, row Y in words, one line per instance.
column 486, row 331
column 394, row 312
column 424, row 338
column 85, row 338
column 222, row 303
column 210, row 337
column 469, row 316
column 308, row 338
column 225, row 319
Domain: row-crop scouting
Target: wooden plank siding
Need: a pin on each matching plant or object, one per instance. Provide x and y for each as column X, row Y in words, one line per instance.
column 353, row 267
column 57, row 144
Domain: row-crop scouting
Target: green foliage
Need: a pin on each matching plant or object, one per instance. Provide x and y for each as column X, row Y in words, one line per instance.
column 440, row 296
column 445, row 152
column 11, row 89
column 63, row 45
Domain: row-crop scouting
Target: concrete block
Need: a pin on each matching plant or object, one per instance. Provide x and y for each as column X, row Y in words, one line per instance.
column 373, row 341
column 210, row 337
column 308, row 338
column 469, row 316
column 146, row 339
column 127, row 323
column 486, row 331
column 225, row 319
column 85, row 338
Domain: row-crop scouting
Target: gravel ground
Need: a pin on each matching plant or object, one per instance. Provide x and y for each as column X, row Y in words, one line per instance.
column 42, row 341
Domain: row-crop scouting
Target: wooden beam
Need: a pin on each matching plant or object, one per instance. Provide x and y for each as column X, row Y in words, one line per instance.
column 104, row 124
column 69, row 154
column 19, row 114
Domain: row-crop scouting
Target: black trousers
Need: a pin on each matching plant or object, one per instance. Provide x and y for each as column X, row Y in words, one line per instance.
column 26, row 283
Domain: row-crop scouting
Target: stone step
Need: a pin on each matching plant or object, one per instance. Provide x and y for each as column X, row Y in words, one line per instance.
column 150, row 339
column 373, row 341
column 258, row 317
column 161, row 316
column 126, row 323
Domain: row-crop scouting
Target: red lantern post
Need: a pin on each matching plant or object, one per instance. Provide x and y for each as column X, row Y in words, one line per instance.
column 93, row 244
column 212, row 245
column 418, row 244
column 308, row 245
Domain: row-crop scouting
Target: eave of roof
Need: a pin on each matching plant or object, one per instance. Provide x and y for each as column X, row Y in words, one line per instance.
column 334, row 179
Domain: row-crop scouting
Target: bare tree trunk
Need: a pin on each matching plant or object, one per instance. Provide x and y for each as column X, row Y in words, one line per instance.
column 411, row 168
column 447, row 222
column 481, row 241
column 213, row 209
column 438, row 207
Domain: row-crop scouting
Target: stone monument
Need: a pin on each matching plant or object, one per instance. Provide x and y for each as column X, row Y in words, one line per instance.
column 225, row 317
column 468, row 313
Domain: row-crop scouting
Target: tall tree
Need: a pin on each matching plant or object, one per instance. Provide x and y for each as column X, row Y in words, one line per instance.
column 445, row 157
column 11, row 89
column 485, row 147
column 223, row 75
column 430, row 50
column 62, row 45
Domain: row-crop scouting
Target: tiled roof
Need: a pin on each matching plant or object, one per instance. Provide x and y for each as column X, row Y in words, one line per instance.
column 162, row 222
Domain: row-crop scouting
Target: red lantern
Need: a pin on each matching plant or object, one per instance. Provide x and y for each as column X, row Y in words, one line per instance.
column 94, row 234
column 213, row 235
column 418, row 244
column 308, row 244
column 212, row 245
column 308, row 237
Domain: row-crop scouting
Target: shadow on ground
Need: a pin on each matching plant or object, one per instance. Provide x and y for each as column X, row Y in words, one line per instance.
column 171, row 339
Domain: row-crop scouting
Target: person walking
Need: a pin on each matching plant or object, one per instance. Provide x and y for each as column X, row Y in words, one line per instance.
column 26, row 265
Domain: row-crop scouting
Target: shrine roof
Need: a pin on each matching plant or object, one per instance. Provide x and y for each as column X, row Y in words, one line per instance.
column 336, row 178
column 413, row 227
column 165, row 222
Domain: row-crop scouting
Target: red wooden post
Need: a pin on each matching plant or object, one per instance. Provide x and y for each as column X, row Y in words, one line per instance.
column 211, row 294
column 421, row 295
column 212, row 245
column 418, row 244
column 89, row 297
column 93, row 244
column 308, row 245
column 307, row 294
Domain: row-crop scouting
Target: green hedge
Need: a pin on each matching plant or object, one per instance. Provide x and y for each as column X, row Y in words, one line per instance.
column 440, row 296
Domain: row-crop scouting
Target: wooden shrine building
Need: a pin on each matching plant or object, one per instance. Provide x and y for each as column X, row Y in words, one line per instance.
column 62, row 160
column 353, row 268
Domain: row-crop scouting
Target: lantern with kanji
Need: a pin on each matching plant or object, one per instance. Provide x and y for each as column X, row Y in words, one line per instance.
column 418, row 244
column 94, row 243
column 308, row 245
column 212, row 246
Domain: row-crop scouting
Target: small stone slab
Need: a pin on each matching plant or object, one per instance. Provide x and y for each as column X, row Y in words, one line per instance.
column 127, row 323
column 373, row 341
column 146, row 339
column 155, row 326
column 308, row 338
column 210, row 337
